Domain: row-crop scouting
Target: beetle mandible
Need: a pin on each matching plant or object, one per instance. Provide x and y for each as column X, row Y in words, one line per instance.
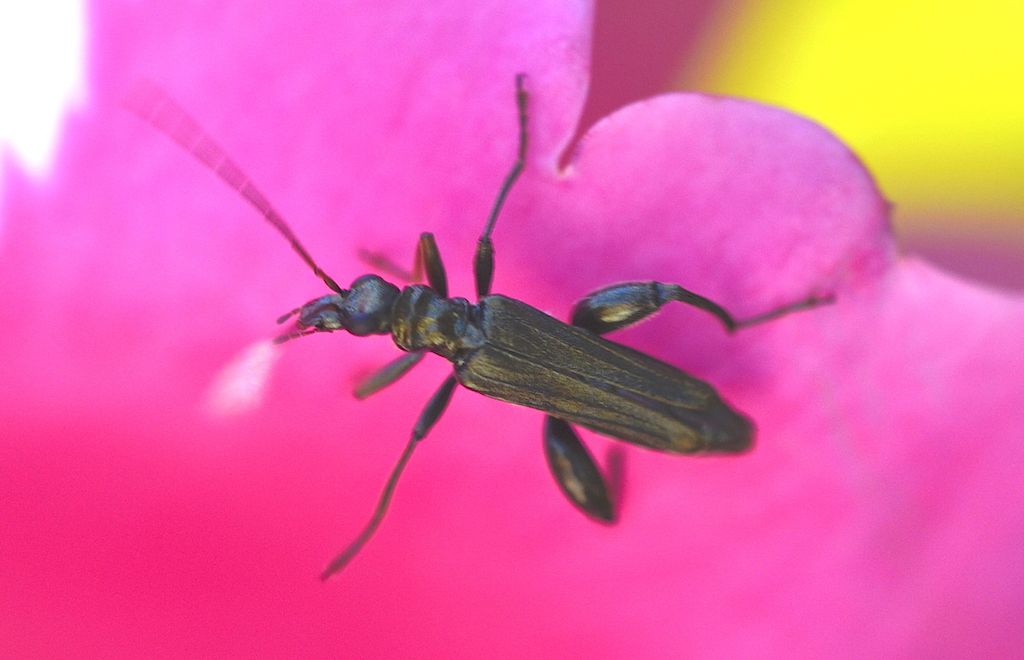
column 504, row 348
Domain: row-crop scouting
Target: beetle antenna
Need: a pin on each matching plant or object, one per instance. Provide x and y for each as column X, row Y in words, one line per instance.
column 150, row 103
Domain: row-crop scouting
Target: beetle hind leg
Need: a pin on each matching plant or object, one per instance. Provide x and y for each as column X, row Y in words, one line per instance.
column 575, row 471
column 621, row 305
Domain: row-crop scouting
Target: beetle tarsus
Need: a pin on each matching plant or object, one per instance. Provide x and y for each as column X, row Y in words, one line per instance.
column 808, row 303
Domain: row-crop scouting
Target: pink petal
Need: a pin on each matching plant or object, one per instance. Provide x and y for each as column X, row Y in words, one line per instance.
column 880, row 512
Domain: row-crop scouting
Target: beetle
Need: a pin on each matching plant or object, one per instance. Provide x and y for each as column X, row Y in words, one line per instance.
column 502, row 347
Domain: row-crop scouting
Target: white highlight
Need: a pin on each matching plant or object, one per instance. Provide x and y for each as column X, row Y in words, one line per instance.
column 242, row 383
column 42, row 73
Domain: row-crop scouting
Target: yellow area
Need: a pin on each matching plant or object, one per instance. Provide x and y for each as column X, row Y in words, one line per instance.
column 929, row 94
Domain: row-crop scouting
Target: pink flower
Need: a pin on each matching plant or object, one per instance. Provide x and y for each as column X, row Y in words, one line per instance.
column 880, row 513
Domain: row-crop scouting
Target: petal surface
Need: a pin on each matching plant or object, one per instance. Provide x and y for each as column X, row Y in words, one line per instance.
column 880, row 511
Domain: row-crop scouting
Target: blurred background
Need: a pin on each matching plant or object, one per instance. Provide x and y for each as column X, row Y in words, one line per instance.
column 131, row 514
column 929, row 94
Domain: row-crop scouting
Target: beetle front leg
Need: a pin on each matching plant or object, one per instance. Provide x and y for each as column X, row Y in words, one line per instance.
column 427, row 258
column 621, row 305
column 387, row 374
column 575, row 471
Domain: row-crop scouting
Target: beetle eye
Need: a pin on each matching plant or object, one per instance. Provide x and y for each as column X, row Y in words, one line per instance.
column 328, row 321
column 321, row 314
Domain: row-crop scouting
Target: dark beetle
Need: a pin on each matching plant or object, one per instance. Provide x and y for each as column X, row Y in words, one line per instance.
column 505, row 349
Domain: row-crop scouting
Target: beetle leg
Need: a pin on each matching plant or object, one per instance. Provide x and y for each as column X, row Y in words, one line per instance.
column 807, row 303
column 621, row 305
column 387, row 374
column 427, row 258
column 483, row 261
column 382, row 263
column 427, row 419
column 575, row 470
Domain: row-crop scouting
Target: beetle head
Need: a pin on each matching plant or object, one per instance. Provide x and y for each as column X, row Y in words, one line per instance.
column 365, row 309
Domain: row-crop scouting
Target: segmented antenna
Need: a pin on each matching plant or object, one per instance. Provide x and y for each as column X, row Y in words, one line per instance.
column 152, row 104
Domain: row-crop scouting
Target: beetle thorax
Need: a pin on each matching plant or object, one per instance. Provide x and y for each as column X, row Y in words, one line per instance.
column 421, row 319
